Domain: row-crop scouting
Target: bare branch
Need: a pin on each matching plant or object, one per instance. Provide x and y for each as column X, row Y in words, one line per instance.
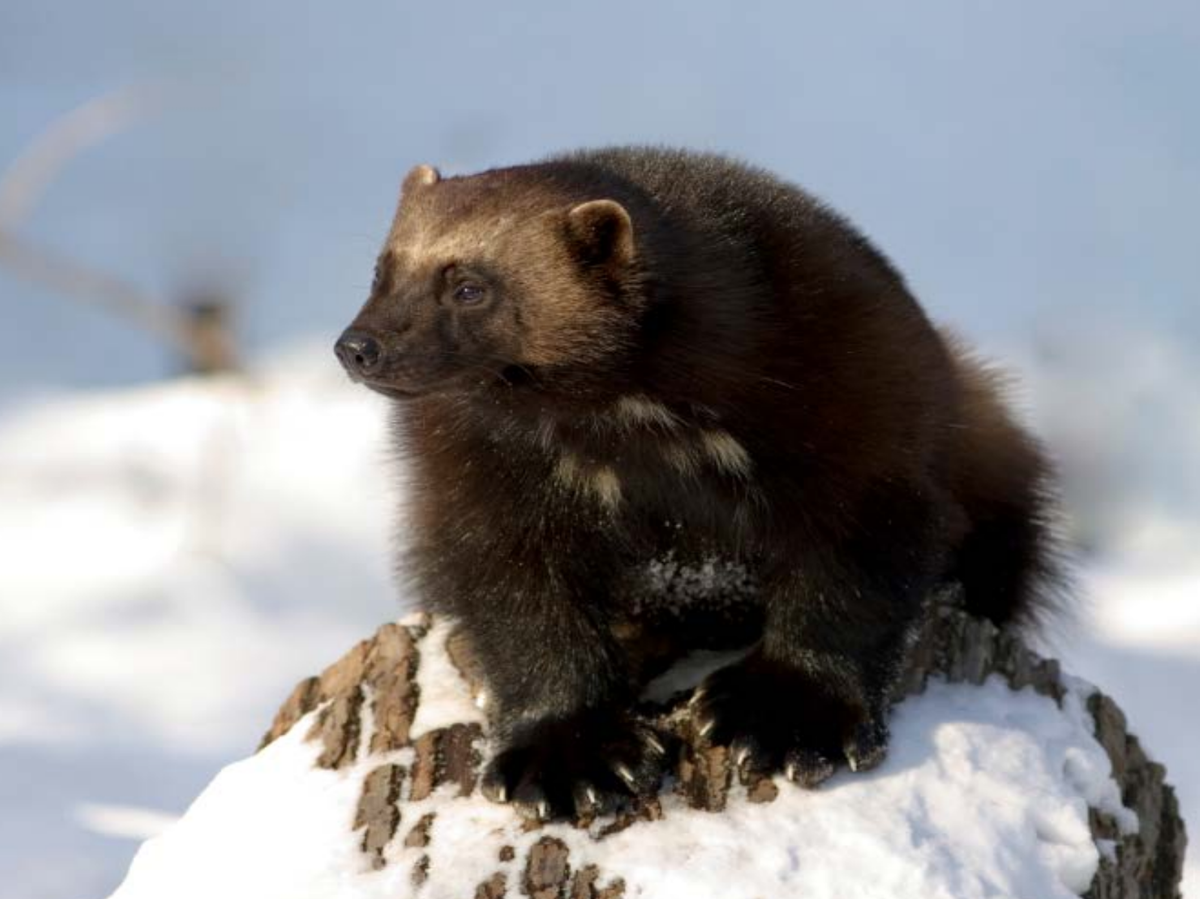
column 67, row 276
column 83, row 127
column 201, row 333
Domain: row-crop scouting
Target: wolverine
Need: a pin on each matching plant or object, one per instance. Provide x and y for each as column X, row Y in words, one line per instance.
column 614, row 357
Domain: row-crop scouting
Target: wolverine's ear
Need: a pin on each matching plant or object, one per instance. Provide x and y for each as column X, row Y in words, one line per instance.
column 602, row 232
column 419, row 176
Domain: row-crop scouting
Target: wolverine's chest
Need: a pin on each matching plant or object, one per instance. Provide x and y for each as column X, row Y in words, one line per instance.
column 640, row 455
column 666, row 478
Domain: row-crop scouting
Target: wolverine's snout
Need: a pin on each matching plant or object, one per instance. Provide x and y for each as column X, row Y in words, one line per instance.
column 390, row 366
column 358, row 352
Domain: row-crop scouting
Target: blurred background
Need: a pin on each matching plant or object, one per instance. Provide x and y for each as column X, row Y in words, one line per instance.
column 189, row 187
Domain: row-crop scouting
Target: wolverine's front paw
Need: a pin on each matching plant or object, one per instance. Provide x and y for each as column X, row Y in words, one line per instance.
column 577, row 766
column 778, row 718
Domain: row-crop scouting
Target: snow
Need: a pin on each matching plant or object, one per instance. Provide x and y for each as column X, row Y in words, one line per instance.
column 272, row 825
column 442, row 699
column 220, row 527
column 173, row 559
column 985, row 794
column 125, row 821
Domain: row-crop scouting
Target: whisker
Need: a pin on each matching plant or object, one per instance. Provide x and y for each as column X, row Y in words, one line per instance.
column 779, row 382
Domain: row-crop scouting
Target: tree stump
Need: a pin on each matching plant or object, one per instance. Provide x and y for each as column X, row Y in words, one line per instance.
column 952, row 646
column 393, row 724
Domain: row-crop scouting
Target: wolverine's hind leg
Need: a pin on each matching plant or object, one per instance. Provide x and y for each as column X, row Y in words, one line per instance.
column 1006, row 561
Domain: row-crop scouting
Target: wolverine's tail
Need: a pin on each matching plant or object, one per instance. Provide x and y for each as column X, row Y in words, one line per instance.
column 1007, row 562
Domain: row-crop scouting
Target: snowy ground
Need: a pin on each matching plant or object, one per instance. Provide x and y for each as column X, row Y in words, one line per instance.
column 174, row 558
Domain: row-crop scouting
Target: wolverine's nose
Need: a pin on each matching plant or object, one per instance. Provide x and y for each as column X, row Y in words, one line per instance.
column 358, row 352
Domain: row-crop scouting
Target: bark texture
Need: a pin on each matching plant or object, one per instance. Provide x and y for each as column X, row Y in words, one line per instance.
column 376, row 682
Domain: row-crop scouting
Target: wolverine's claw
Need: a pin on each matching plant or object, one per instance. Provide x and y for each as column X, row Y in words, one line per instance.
column 495, row 790
column 866, row 747
column 808, row 768
column 579, row 767
column 654, row 743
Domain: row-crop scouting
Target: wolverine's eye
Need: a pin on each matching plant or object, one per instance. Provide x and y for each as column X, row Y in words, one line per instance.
column 469, row 293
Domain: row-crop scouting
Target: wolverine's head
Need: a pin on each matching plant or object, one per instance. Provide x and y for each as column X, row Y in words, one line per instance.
column 489, row 279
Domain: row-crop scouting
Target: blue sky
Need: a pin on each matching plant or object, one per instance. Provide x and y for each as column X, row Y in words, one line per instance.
column 1033, row 168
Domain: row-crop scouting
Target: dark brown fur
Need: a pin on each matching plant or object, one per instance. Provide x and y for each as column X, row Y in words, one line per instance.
column 708, row 363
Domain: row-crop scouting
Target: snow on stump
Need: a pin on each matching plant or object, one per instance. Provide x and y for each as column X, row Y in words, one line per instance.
column 1005, row 778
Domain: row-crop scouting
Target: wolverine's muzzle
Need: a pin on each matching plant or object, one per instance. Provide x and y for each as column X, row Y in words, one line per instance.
column 359, row 353
column 370, row 361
